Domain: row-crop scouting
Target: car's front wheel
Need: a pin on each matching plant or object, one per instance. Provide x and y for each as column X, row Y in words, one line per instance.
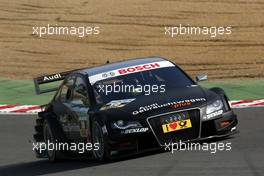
column 101, row 153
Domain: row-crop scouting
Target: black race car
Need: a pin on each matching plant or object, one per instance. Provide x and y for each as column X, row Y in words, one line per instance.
column 128, row 107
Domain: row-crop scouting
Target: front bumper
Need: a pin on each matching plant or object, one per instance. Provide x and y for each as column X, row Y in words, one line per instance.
column 221, row 126
column 133, row 143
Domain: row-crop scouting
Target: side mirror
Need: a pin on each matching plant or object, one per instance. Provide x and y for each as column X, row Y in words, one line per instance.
column 201, row 78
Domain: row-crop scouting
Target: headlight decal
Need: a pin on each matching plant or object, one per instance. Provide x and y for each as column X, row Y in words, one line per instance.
column 215, row 106
column 212, row 110
column 214, row 114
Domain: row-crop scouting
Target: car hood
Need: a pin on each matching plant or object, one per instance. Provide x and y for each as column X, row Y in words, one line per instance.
column 146, row 106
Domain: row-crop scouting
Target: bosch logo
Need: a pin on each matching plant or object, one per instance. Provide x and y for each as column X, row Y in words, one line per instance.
column 138, row 68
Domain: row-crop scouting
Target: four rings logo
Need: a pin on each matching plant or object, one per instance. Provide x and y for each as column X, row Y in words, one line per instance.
column 176, row 117
column 109, row 74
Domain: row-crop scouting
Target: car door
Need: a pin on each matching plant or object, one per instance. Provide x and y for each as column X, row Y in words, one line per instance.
column 79, row 105
column 61, row 106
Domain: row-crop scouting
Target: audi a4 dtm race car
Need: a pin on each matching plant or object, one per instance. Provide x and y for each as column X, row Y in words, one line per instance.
column 129, row 107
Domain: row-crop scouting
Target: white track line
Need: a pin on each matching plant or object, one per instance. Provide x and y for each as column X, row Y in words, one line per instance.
column 234, row 104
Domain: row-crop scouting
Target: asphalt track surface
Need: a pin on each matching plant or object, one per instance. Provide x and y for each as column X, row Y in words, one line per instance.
column 245, row 159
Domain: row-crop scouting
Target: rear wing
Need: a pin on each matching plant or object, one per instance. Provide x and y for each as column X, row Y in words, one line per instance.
column 48, row 79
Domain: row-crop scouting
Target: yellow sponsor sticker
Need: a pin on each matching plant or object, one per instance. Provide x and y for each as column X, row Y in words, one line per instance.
column 177, row 125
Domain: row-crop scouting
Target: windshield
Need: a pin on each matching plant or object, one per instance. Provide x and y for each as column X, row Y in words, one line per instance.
column 144, row 83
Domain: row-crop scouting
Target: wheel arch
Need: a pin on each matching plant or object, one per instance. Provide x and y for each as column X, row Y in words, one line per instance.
column 53, row 122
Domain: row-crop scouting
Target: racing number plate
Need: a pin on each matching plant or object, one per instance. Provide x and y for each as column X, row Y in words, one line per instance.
column 176, row 125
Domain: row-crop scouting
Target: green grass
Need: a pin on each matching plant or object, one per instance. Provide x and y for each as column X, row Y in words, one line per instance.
column 239, row 89
column 23, row 92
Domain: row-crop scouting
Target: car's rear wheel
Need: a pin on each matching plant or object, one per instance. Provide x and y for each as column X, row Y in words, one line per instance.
column 50, row 139
column 98, row 138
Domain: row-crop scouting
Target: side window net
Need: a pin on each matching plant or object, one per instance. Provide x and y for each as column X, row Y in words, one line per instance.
column 80, row 93
column 66, row 90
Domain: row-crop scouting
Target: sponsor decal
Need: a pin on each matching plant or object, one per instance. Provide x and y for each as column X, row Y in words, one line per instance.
column 180, row 105
column 138, row 68
column 52, row 77
column 177, row 125
column 135, row 130
column 129, row 70
column 117, row 104
column 187, row 102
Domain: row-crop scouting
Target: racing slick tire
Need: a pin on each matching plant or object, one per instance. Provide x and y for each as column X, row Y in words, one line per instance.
column 49, row 134
column 103, row 152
